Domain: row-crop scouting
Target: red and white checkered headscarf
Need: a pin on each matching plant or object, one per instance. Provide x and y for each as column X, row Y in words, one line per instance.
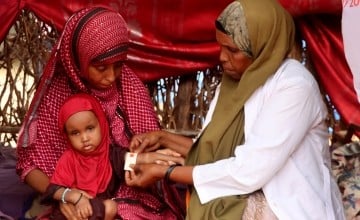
column 91, row 35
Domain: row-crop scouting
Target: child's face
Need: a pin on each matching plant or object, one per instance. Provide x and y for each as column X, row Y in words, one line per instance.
column 83, row 131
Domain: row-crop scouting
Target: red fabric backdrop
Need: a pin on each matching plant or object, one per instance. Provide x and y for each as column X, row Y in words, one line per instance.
column 171, row 38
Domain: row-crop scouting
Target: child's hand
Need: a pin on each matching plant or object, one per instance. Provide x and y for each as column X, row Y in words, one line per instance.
column 83, row 192
column 69, row 211
column 83, row 207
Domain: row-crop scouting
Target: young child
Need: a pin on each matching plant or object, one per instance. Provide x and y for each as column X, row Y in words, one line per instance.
column 83, row 172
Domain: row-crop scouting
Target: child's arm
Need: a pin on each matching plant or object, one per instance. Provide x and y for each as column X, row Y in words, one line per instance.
column 77, row 198
column 117, row 159
column 48, row 196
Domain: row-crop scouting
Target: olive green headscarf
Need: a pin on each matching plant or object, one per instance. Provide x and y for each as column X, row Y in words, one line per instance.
column 265, row 31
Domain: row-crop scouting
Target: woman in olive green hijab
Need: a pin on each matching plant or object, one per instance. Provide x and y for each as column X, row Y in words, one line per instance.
column 263, row 152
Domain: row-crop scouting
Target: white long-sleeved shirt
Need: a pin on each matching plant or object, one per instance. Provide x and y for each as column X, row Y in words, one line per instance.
column 285, row 153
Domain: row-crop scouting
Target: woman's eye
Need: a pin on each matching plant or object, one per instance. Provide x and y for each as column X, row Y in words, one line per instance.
column 233, row 49
column 101, row 68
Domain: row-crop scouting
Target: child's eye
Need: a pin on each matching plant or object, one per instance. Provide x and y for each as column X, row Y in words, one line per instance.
column 90, row 128
column 74, row 133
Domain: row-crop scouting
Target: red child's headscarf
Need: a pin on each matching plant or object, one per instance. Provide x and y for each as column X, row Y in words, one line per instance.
column 89, row 172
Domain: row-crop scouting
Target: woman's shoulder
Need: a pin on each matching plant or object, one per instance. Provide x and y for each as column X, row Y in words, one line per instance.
column 292, row 65
column 294, row 72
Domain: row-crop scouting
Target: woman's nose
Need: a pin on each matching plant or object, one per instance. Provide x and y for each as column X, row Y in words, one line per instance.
column 222, row 56
column 112, row 74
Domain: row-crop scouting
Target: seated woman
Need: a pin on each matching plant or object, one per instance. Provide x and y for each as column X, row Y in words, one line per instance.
column 90, row 57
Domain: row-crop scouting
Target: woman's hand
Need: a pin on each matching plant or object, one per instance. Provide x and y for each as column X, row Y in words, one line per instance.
column 144, row 175
column 145, row 142
column 153, row 140
column 162, row 157
column 169, row 152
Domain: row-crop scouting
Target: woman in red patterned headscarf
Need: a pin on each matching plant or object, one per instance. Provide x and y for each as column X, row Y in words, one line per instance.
column 90, row 57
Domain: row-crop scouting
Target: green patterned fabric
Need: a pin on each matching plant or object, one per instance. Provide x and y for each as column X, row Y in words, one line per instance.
column 346, row 169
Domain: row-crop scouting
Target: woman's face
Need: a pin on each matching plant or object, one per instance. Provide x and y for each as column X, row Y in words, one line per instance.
column 103, row 76
column 233, row 60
